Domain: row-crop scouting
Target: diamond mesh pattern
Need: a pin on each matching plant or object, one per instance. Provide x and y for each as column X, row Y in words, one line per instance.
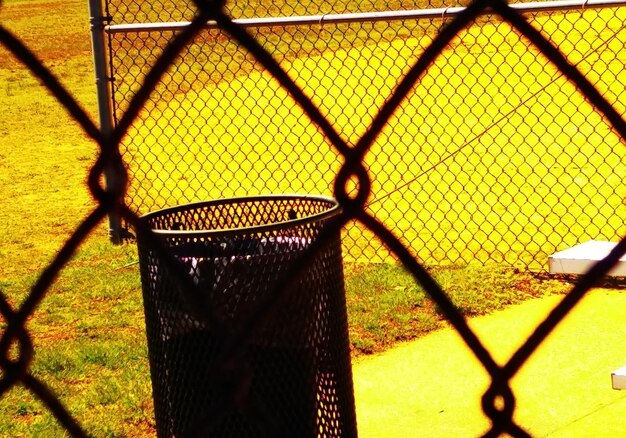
column 293, row 378
column 492, row 158
column 579, row 122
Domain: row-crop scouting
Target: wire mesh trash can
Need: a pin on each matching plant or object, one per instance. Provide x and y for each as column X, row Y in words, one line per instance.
column 290, row 374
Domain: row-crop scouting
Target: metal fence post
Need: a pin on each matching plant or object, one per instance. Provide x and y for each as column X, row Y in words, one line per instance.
column 96, row 24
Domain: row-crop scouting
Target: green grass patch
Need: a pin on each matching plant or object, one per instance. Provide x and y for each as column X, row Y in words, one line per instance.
column 91, row 349
column 386, row 305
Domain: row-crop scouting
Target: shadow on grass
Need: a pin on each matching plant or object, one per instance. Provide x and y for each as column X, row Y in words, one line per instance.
column 386, row 305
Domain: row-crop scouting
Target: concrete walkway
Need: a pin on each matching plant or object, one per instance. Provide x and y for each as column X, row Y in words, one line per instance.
column 432, row 387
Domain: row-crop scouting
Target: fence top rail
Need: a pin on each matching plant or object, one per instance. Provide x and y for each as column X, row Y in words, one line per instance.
column 359, row 17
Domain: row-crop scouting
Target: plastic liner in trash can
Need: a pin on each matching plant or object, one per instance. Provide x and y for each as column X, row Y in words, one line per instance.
column 294, row 377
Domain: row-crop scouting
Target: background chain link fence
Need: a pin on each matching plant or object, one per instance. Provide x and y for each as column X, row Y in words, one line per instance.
column 492, row 156
column 348, row 144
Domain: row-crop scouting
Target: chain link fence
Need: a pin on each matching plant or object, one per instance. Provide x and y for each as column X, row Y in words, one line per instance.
column 492, row 156
column 434, row 95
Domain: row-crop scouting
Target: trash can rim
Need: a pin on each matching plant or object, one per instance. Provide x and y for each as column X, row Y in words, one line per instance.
column 332, row 211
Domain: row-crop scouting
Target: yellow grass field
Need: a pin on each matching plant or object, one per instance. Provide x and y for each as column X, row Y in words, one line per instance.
column 494, row 155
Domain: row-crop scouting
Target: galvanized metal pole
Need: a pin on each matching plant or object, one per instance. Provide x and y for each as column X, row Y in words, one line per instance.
column 97, row 23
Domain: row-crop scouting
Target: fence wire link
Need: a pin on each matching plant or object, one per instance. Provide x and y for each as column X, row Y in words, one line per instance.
column 492, row 157
column 331, row 133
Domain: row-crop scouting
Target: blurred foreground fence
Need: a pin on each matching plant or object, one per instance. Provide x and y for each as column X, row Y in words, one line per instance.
column 576, row 123
column 492, row 156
